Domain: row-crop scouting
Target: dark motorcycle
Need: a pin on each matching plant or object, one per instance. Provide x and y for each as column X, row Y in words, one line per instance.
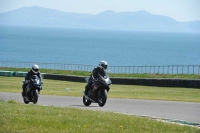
column 98, row 91
column 33, row 87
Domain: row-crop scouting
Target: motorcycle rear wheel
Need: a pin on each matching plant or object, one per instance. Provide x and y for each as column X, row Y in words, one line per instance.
column 102, row 98
column 86, row 102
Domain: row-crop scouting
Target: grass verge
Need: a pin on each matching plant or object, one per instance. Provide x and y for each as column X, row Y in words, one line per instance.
column 57, row 87
column 81, row 73
column 20, row 118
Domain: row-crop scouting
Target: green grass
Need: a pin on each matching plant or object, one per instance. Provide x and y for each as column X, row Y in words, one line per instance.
column 57, row 87
column 81, row 73
column 21, row 118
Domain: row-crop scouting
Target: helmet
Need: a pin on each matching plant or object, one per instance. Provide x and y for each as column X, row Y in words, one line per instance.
column 103, row 64
column 35, row 69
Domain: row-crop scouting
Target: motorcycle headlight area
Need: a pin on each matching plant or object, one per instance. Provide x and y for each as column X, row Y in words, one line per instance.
column 95, row 87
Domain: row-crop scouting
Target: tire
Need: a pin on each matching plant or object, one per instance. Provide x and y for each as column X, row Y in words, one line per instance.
column 86, row 102
column 102, row 98
column 25, row 100
column 35, row 96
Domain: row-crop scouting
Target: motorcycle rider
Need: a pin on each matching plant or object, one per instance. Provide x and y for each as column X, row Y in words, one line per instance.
column 34, row 71
column 100, row 69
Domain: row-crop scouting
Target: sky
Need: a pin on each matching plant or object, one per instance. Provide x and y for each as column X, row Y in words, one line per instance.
column 179, row 10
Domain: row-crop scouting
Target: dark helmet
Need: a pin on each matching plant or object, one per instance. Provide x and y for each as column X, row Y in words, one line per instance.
column 103, row 64
column 35, row 69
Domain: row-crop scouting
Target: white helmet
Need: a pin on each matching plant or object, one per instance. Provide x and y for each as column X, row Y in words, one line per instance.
column 103, row 64
column 35, row 68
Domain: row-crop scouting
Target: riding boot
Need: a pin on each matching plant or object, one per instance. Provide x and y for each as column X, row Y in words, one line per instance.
column 86, row 90
column 39, row 89
column 87, row 87
column 23, row 89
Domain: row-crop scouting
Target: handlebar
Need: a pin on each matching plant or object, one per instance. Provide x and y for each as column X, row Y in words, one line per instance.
column 26, row 81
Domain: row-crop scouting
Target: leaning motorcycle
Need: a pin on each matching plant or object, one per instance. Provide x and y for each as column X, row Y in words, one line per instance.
column 32, row 89
column 98, row 91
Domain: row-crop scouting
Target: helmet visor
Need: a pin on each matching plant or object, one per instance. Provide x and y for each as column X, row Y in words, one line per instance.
column 35, row 70
column 104, row 66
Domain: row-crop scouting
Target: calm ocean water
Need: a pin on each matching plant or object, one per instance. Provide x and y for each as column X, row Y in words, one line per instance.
column 78, row 46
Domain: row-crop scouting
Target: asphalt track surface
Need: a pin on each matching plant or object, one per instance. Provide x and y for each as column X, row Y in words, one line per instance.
column 184, row 111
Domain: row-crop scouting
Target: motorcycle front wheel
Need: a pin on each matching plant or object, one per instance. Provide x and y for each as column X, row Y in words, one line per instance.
column 102, row 98
column 35, row 96
column 86, row 102
column 26, row 101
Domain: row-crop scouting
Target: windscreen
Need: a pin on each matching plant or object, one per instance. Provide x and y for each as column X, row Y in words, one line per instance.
column 34, row 78
column 103, row 74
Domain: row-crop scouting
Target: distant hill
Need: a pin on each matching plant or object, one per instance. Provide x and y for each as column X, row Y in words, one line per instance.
column 138, row 21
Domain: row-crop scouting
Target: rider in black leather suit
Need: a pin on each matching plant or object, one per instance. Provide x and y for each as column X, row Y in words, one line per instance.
column 33, row 71
column 100, row 69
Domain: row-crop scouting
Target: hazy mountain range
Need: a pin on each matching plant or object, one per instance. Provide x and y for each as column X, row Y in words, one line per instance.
column 138, row 21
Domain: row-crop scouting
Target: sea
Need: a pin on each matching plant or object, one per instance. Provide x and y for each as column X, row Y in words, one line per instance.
column 88, row 46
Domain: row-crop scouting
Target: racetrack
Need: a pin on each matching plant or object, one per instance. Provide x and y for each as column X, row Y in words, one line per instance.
column 186, row 111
